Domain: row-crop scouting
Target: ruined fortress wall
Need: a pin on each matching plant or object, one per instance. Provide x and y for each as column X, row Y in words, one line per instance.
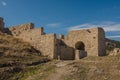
column 20, row 29
column 67, row 53
column 1, row 25
column 45, row 43
column 101, row 42
column 63, row 52
column 89, row 37
column 64, row 47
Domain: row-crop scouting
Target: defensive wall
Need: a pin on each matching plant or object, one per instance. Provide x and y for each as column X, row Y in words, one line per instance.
column 81, row 43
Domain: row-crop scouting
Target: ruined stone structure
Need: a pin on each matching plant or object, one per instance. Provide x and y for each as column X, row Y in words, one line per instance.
column 1, row 24
column 75, row 45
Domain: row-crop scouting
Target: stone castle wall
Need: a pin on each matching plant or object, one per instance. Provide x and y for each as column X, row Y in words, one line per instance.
column 67, row 53
column 45, row 43
column 101, row 42
column 64, row 52
column 16, row 31
column 92, row 41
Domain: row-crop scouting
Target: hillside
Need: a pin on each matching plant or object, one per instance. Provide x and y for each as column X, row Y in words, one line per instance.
column 89, row 68
column 17, row 56
column 20, row 61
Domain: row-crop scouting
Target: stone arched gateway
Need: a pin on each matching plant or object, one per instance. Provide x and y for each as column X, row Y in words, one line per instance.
column 93, row 40
column 80, row 50
column 79, row 45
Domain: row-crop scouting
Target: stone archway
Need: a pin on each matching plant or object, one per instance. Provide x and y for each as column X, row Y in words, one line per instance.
column 79, row 45
column 80, row 50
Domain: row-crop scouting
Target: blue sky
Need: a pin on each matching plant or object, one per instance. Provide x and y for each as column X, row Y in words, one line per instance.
column 60, row 16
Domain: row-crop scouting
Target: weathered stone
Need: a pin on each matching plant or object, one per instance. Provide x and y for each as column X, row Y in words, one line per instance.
column 82, row 54
column 115, row 52
column 67, row 53
column 93, row 41
column 1, row 25
column 77, row 54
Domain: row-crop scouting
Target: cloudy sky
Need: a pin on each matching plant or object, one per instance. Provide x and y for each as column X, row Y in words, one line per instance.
column 61, row 16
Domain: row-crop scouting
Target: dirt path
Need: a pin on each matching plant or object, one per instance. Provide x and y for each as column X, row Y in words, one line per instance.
column 61, row 70
column 77, row 70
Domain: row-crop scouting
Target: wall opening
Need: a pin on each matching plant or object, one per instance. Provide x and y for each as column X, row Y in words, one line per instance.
column 79, row 45
column 80, row 50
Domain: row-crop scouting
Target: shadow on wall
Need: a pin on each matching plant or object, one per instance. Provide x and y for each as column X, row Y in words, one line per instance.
column 65, row 52
column 80, row 45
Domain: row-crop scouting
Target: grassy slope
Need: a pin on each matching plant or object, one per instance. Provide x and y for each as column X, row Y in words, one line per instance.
column 20, row 61
column 88, row 68
column 17, row 56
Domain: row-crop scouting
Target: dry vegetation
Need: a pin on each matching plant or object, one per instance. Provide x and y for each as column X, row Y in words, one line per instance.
column 89, row 68
column 17, row 57
column 20, row 61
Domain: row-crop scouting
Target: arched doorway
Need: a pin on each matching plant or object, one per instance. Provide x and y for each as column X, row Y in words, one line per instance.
column 80, row 50
column 79, row 45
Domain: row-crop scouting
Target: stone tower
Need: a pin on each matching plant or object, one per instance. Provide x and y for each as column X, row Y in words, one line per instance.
column 1, row 24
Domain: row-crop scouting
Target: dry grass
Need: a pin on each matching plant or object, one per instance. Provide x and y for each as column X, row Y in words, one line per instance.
column 17, row 56
column 20, row 61
column 14, row 46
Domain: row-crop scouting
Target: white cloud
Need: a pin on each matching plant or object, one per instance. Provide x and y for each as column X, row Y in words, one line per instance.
column 3, row 3
column 116, row 36
column 107, row 26
column 53, row 25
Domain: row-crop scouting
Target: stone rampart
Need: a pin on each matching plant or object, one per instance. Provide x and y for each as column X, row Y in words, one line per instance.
column 93, row 40
column 90, row 41
column 45, row 43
